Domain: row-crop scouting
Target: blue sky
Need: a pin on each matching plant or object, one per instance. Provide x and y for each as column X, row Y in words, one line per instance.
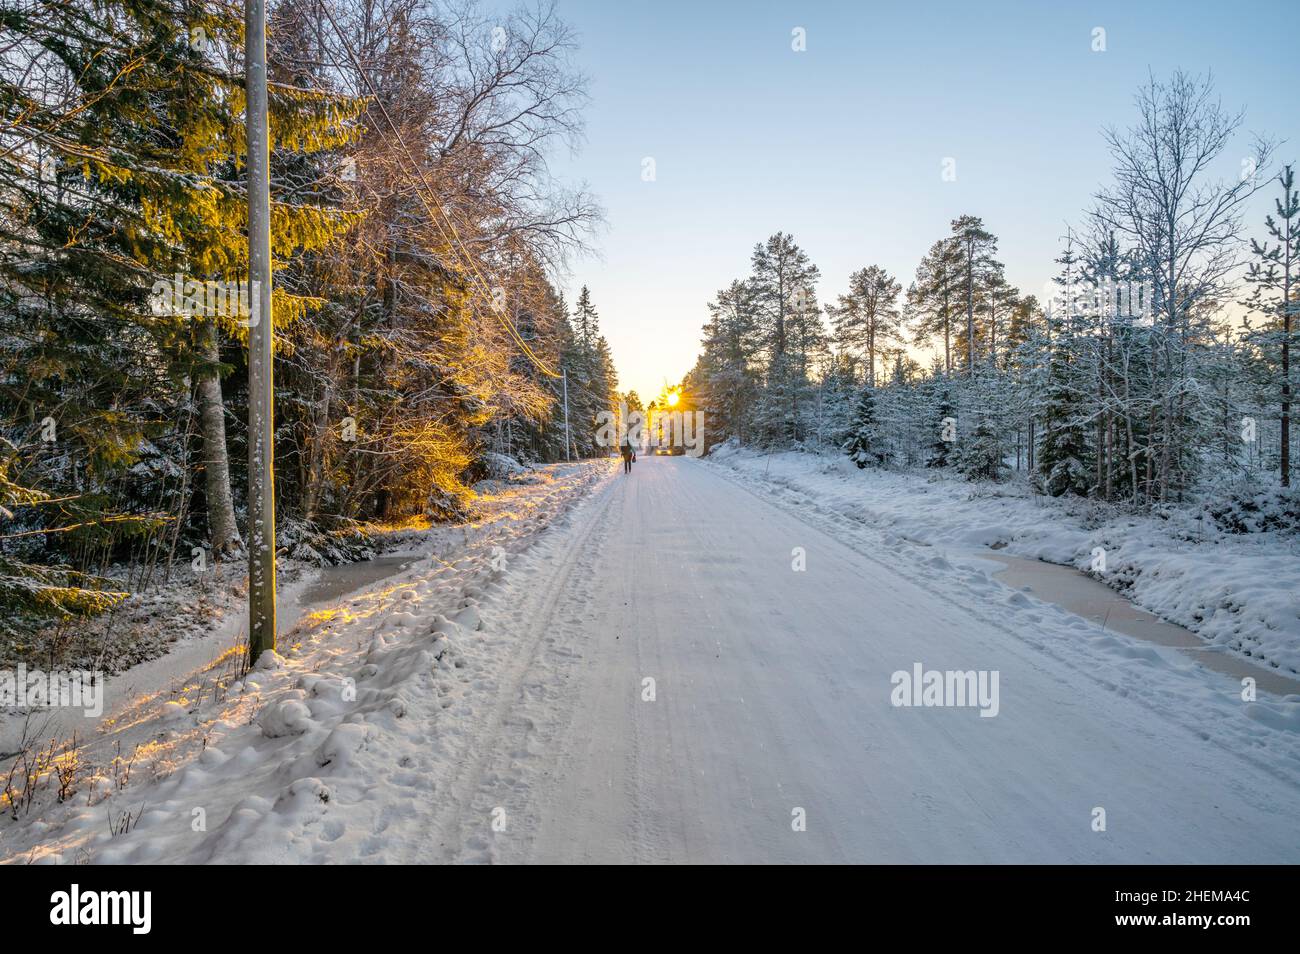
column 842, row 144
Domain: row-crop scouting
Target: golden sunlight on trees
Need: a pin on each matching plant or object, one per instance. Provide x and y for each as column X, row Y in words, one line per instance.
column 415, row 231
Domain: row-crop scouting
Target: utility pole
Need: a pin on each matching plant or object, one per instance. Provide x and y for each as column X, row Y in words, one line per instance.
column 565, row 371
column 261, row 406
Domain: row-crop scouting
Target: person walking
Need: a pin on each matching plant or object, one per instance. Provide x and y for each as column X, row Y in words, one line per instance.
column 628, row 455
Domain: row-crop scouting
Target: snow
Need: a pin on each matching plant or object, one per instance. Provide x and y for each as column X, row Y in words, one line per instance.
column 1237, row 591
column 502, row 466
column 630, row 668
column 182, row 724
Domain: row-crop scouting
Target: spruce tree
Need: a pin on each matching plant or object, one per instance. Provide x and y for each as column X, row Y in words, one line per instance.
column 982, row 451
column 1063, row 458
column 864, row 443
column 1274, row 275
column 943, row 418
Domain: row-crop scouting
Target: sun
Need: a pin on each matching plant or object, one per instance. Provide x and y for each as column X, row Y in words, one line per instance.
column 673, row 398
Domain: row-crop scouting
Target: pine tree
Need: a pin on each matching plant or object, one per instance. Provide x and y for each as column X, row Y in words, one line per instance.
column 1001, row 299
column 932, row 297
column 837, row 397
column 783, row 290
column 975, row 247
column 868, row 318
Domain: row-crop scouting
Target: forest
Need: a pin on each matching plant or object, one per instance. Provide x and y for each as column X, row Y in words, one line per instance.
column 416, row 231
column 1154, row 367
column 419, row 238
column 417, row 449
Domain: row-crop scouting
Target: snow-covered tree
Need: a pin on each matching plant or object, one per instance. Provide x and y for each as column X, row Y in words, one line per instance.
column 864, row 446
column 975, row 247
column 1063, row 454
column 868, row 318
column 1184, row 230
column 941, row 412
column 932, row 298
column 982, row 452
column 1274, row 276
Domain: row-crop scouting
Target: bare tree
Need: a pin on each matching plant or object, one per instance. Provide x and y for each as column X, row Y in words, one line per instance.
column 1184, row 228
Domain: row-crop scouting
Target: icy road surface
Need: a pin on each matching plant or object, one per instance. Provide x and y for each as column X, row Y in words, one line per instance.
column 771, row 703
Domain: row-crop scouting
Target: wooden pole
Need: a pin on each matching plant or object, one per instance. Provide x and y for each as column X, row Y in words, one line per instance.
column 261, row 405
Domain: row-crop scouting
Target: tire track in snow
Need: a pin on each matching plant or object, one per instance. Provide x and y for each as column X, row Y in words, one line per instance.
column 869, row 543
column 465, row 833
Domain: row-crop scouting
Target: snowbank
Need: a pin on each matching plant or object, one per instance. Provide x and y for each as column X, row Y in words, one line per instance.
column 379, row 690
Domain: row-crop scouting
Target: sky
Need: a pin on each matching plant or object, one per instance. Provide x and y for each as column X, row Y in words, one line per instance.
column 842, row 144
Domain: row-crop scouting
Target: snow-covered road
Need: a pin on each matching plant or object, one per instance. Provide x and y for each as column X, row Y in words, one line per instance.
column 772, row 701
column 690, row 663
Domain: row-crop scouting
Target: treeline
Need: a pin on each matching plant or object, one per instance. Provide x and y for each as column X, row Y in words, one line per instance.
column 415, row 224
column 1157, row 362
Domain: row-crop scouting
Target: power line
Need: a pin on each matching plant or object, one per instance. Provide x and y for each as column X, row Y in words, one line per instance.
column 436, row 210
